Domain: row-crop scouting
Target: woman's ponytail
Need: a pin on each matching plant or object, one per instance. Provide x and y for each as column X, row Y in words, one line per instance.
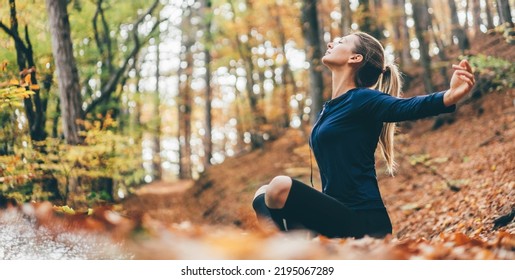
column 387, row 79
column 390, row 82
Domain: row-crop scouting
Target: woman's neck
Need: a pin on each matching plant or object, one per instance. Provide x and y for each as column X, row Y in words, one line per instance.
column 342, row 82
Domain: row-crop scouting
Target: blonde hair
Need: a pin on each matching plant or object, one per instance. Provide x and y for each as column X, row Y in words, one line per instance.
column 374, row 72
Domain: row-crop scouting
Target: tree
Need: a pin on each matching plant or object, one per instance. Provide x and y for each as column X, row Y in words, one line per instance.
column 245, row 52
column 111, row 75
column 439, row 43
column 346, row 16
column 313, row 54
column 207, row 14
column 421, row 18
column 489, row 17
column 68, row 76
column 184, row 98
column 457, row 30
column 476, row 16
column 505, row 13
column 287, row 78
column 35, row 105
column 401, row 33
column 368, row 22
column 158, row 170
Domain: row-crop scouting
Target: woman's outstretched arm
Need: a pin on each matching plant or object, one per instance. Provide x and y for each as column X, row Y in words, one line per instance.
column 462, row 82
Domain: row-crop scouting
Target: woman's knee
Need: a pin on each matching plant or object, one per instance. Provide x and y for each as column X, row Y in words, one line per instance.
column 277, row 192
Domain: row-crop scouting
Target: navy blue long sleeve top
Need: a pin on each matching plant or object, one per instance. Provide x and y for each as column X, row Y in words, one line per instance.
column 345, row 137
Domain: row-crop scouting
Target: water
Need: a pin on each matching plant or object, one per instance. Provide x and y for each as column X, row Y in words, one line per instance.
column 22, row 239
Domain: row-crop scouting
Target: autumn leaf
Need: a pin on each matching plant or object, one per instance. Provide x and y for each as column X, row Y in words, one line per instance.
column 27, row 79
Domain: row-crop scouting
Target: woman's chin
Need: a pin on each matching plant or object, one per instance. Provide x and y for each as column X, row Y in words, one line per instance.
column 324, row 59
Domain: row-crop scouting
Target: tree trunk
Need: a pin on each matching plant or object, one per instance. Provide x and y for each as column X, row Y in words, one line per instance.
column 184, row 98
column 505, row 12
column 476, row 17
column 346, row 17
column 110, row 75
column 68, row 75
column 314, row 55
column 407, row 60
column 457, row 30
column 158, row 172
column 207, row 14
column 35, row 105
column 369, row 22
column 489, row 17
column 466, row 26
column 289, row 87
column 421, row 18
column 441, row 47
column 244, row 50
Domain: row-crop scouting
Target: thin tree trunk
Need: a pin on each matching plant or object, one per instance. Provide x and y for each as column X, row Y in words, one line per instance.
column 476, row 17
column 489, row 17
column 407, row 60
column 68, row 75
column 421, row 18
column 346, row 17
column 35, row 105
column 314, row 55
column 466, row 26
column 208, row 142
column 158, row 172
column 369, row 22
column 111, row 75
column 457, row 30
column 441, row 52
column 289, row 87
column 505, row 12
column 184, row 97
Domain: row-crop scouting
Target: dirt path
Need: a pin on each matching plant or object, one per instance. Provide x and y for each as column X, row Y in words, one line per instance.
column 165, row 188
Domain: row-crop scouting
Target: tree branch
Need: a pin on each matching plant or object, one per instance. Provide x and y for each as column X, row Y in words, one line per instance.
column 13, row 35
column 111, row 84
column 95, row 28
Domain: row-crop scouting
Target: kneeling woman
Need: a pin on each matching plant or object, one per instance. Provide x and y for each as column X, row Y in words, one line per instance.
column 362, row 112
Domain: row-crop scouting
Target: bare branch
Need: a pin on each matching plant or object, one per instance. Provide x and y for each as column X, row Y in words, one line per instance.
column 111, row 84
column 15, row 36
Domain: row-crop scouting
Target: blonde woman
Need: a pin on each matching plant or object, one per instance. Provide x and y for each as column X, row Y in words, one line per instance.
column 361, row 114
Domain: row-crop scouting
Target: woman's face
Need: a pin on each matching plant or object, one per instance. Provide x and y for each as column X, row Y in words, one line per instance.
column 340, row 51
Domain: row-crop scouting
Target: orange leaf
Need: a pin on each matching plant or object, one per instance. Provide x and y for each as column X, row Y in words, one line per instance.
column 34, row 87
column 27, row 79
column 461, row 239
column 14, row 82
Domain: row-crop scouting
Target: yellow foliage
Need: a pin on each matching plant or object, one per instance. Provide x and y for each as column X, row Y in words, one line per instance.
column 64, row 209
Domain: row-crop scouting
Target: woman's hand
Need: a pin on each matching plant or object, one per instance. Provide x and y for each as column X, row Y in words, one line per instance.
column 462, row 82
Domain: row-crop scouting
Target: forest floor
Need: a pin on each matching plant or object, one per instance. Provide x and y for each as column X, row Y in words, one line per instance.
column 451, row 185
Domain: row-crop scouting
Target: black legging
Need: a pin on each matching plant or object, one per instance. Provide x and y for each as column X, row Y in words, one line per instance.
column 308, row 208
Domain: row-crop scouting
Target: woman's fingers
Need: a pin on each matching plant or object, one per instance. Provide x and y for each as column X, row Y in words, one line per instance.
column 465, row 76
column 467, row 80
column 464, row 63
column 464, row 72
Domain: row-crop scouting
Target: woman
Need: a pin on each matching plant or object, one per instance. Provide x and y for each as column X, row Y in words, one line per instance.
column 344, row 138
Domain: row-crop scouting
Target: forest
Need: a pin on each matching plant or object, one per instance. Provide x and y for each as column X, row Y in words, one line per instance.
column 140, row 125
